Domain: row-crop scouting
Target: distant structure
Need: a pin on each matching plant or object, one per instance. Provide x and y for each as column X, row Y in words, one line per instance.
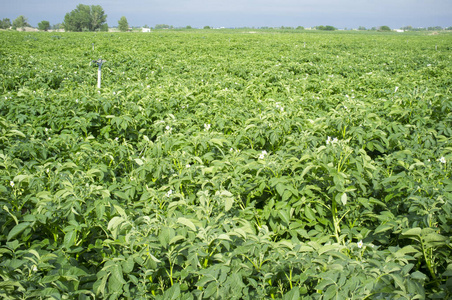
column 145, row 29
column 399, row 30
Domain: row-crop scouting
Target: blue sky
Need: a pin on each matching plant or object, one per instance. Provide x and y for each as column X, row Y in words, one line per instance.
column 245, row 13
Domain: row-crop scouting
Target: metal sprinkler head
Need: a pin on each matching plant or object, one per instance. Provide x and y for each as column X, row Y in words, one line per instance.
column 99, row 62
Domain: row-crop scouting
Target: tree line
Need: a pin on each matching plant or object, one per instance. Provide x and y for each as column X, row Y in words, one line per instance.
column 82, row 18
column 93, row 18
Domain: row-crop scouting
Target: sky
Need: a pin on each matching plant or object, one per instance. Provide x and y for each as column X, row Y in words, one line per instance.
column 245, row 13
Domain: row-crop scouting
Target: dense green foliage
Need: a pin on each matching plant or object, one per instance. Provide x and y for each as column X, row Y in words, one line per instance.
column 327, row 28
column 123, row 25
column 5, row 23
column 20, row 22
column 226, row 165
column 85, row 18
column 384, row 28
column 44, row 25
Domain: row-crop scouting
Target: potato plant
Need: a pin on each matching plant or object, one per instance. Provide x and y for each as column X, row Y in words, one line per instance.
column 226, row 165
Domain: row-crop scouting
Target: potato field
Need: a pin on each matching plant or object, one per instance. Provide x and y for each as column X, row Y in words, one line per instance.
column 226, row 164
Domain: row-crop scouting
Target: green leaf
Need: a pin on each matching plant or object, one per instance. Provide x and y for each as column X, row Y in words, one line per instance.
column 433, row 239
column 70, row 238
column 280, row 189
column 9, row 284
column 186, row 222
column 228, row 202
column 309, row 213
column 284, row 215
column 344, row 198
column 210, row 290
column 139, row 161
column 128, row 264
column 330, row 292
column 384, row 227
column 114, row 223
column 306, row 170
column 328, row 248
column 17, row 230
column 413, row 232
column 17, row 132
column 292, row 294
column 172, row 293
column 20, row 178
column 92, row 172
column 116, row 273
column 100, row 285
column 418, row 276
column 176, row 239
column 406, row 250
column 448, row 271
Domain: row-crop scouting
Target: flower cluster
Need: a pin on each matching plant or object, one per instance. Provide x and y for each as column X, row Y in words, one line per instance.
column 168, row 129
column 262, row 155
column 442, row 160
column 279, row 107
column 331, row 141
column 169, row 193
column 232, row 150
column 206, row 127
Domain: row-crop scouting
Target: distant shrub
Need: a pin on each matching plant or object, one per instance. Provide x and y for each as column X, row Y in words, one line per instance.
column 384, row 28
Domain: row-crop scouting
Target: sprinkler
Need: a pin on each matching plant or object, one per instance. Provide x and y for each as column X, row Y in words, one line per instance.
column 99, row 62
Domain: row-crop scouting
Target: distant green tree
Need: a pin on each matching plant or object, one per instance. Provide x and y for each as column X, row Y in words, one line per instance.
column 300, row 28
column 20, row 22
column 384, row 28
column 188, row 27
column 123, row 25
column 361, row 28
column 104, row 27
column 44, row 25
column 327, row 28
column 56, row 26
column 5, row 23
column 162, row 26
column 85, row 18
column 434, row 28
column 206, row 27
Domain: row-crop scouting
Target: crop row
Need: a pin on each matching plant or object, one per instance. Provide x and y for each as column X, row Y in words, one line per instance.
column 286, row 166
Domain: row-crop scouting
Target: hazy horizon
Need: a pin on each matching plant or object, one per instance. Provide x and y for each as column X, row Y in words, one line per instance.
column 246, row 13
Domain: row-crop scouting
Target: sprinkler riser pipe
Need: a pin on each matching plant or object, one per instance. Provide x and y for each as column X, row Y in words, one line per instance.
column 99, row 75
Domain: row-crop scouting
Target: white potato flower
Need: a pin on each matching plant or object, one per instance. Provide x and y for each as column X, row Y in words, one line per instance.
column 360, row 244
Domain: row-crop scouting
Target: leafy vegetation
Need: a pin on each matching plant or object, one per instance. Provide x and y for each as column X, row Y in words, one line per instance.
column 85, row 18
column 225, row 164
column 19, row 22
column 5, row 23
column 44, row 25
column 123, row 25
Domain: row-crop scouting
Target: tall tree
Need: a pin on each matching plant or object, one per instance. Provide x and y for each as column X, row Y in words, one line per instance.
column 44, row 25
column 85, row 18
column 123, row 24
column 5, row 23
column 98, row 17
column 20, row 22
